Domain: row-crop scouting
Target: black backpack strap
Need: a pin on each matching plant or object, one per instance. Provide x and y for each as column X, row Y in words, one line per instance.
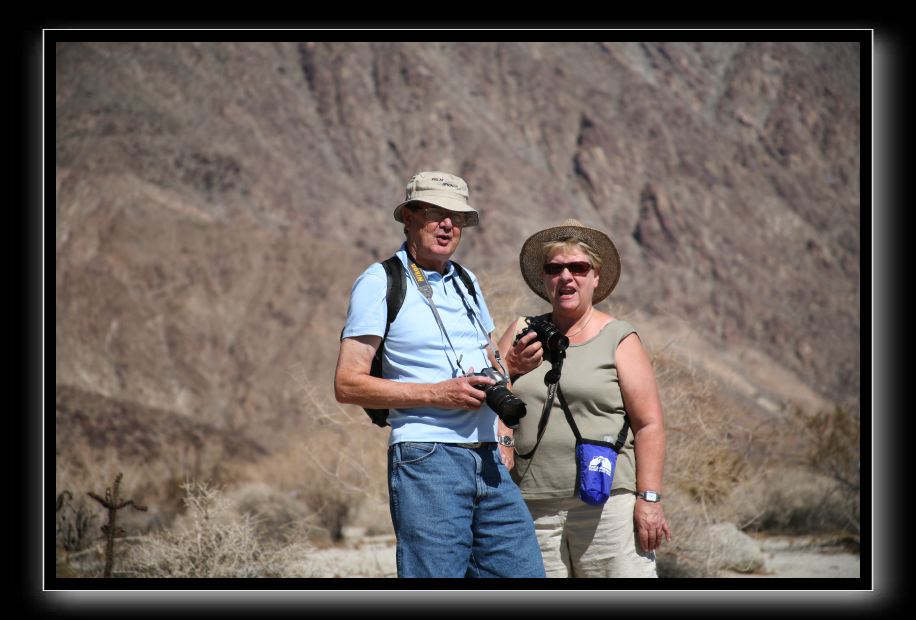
column 395, row 291
column 468, row 283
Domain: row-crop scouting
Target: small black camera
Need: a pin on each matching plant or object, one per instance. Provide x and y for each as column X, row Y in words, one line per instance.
column 552, row 340
column 509, row 407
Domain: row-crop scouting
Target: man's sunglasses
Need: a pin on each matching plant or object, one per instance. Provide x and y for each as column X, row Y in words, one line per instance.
column 578, row 268
column 459, row 219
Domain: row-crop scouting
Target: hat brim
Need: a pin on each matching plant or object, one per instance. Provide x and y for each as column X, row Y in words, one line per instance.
column 531, row 258
column 440, row 201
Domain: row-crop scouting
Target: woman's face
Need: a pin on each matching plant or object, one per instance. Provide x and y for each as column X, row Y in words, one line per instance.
column 568, row 291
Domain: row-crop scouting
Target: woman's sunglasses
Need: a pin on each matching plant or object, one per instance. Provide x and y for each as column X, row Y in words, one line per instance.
column 578, row 268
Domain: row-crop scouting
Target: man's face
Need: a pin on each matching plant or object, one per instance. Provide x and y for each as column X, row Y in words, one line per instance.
column 432, row 232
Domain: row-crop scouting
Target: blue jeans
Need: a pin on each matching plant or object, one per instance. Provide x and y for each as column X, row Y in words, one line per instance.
column 457, row 513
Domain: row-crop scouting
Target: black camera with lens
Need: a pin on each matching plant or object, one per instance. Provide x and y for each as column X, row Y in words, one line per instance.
column 509, row 407
column 554, row 342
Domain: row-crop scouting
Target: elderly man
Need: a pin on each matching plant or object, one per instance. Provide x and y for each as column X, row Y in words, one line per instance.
column 456, row 512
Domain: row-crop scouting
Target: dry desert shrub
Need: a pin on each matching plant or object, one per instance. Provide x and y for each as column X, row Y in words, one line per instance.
column 82, row 466
column 278, row 517
column 834, row 438
column 810, row 483
column 77, row 522
column 711, row 440
column 786, row 472
column 81, row 469
column 334, row 463
column 210, row 540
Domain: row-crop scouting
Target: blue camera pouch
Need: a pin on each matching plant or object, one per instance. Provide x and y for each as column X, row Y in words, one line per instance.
column 596, row 462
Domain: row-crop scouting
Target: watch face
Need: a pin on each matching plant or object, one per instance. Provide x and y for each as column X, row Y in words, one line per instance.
column 651, row 496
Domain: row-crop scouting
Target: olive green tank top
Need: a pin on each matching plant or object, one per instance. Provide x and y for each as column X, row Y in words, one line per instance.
column 592, row 390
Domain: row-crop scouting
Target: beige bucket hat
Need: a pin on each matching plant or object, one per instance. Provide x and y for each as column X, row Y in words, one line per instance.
column 441, row 189
column 531, row 258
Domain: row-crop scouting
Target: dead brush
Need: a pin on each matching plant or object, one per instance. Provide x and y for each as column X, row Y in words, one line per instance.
column 813, row 481
column 75, row 523
column 334, row 463
column 709, row 438
column 712, row 444
column 210, row 540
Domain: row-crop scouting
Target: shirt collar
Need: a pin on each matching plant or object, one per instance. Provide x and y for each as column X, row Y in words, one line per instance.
column 430, row 275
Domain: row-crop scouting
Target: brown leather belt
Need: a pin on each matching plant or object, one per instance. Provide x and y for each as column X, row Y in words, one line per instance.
column 475, row 445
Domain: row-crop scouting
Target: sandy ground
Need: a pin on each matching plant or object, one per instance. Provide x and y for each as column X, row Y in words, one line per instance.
column 371, row 556
column 784, row 557
column 787, row 556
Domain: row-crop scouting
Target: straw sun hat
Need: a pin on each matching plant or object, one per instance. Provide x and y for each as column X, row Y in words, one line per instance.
column 531, row 258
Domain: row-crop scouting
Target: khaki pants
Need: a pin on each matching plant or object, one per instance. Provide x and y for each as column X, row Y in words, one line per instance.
column 578, row 540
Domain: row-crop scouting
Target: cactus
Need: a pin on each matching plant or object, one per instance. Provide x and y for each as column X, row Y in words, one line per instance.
column 112, row 502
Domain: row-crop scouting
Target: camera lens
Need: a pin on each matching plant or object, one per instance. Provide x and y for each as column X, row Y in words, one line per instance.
column 557, row 341
column 507, row 405
column 549, row 335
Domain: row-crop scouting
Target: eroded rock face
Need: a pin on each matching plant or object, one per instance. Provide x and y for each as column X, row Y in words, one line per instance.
column 215, row 201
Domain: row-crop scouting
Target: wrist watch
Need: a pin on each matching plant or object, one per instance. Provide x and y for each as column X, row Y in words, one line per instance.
column 505, row 440
column 650, row 496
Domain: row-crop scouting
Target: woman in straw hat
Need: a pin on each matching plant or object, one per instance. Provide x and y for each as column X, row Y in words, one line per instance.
column 605, row 378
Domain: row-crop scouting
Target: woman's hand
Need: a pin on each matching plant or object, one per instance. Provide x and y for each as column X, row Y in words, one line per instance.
column 525, row 355
column 651, row 525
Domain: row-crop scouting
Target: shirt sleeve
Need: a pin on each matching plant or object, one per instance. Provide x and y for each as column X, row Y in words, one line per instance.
column 368, row 310
column 623, row 330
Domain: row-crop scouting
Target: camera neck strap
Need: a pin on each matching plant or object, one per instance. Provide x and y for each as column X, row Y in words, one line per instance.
column 427, row 290
column 552, row 380
column 493, row 348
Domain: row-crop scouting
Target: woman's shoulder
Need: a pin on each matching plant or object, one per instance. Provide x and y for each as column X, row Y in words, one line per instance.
column 614, row 328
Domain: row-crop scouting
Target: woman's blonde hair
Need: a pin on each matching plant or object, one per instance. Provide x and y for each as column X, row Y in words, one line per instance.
column 572, row 242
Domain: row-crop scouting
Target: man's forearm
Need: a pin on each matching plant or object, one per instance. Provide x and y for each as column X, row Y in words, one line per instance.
column 375, row 393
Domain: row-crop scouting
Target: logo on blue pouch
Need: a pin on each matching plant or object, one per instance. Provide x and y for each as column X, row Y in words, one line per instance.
column 601, row 464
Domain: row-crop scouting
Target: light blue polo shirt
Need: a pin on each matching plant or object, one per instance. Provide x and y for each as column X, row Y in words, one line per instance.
column 416, row 350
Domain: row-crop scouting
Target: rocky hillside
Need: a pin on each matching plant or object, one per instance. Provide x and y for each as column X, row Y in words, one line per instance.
column 215, row 202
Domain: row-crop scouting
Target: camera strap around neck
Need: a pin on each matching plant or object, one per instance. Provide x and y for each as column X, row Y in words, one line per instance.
column 493, row 348
column 427, row 290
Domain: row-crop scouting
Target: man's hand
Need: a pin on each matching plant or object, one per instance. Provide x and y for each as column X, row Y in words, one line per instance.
column 460, row 393
column 507, row 454
column 651, row 525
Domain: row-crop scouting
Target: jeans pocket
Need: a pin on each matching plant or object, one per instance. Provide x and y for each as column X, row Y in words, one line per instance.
column 413, row 452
